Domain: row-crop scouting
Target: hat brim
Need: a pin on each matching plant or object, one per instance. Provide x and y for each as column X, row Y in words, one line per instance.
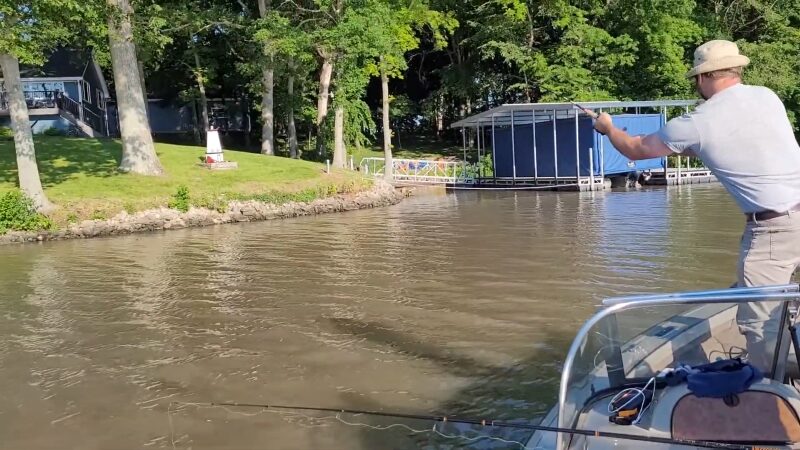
column 726, row 62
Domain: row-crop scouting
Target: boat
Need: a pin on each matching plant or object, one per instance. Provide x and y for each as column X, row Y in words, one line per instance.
column 624, row 379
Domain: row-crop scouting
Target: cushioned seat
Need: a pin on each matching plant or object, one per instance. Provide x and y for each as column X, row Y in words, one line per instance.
column 758, row 417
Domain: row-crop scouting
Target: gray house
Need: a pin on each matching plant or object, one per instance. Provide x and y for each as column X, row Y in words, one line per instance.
column 68, row 93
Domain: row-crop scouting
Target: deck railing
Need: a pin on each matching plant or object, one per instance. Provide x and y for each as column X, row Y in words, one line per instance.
column 57, row 100
column 422, row 170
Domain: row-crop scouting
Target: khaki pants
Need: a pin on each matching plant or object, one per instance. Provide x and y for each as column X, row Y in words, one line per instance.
column 769, row 255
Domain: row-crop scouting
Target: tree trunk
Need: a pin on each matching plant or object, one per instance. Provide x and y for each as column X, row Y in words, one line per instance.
column 322, row 102
column 138, row 153
column 291, row 126
column 140, row 65
column 27, row 169
column 387, row 130
column 201, row 87
column 470, row 140
column 267, row 99
column 267, row 117
column 339, row 152
column 440, row 116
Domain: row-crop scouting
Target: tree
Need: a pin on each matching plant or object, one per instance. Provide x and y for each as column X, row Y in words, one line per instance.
column 268, row 83
column 30, row 30
column 138, row 152
column 396, row 34
column 198, row 38
column 665, row 32
column 288, row 46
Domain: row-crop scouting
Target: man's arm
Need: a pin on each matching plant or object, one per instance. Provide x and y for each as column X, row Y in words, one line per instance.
column 633, row 147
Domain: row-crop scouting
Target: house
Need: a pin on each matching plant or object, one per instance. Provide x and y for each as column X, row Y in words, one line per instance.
column 181, row 117
column 69, row 93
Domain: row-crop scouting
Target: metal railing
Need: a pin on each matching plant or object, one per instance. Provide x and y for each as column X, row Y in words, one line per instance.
column 421, row 170
column 57, row 100
column 34, row 99
column 71, row 106
column 612, row 306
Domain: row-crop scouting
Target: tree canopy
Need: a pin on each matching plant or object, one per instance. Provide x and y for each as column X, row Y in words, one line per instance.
column 445, row 58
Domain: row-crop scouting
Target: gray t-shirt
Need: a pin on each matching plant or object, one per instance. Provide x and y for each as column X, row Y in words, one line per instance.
column 744, row 137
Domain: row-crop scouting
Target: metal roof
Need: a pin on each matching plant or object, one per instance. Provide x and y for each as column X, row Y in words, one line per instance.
column 502, row 114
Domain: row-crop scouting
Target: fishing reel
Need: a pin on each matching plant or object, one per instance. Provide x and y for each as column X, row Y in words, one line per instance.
column 627, row 407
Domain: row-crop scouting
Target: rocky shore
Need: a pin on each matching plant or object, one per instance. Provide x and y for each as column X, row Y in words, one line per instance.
column 381, row 194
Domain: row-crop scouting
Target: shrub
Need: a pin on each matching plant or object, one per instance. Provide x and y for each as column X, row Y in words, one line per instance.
column 53, row 131
column 98, row 215
column 214, row 202
column 6, row 133
column 17, row 213
column 129, row 207
column 180, row 200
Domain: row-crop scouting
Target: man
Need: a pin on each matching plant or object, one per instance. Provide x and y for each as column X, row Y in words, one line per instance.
column 744, row 137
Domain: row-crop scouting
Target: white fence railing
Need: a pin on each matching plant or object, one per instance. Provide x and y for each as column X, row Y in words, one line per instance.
column 421, row 170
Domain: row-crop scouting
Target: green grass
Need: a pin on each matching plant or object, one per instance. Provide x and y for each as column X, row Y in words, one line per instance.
column 80, row 176
column 413, row 147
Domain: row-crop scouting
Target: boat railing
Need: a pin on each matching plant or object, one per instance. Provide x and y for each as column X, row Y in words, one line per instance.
column 612, row 306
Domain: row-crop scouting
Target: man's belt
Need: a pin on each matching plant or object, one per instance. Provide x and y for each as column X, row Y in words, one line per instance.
column 767, row 215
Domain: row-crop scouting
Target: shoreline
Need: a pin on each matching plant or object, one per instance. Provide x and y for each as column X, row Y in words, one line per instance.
column 161, row 219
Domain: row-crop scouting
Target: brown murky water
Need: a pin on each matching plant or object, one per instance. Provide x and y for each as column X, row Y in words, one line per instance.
column 459, row 304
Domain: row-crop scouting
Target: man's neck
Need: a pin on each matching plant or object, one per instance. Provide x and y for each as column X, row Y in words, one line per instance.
column 725, row 83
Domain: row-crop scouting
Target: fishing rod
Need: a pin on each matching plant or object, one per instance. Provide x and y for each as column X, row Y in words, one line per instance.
column 501, row 424
column 589, row 112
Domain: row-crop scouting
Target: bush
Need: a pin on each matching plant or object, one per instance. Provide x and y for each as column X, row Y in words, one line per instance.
column 214, row 202
column 98, row 215
column 53, row 131
column 17, row 213
column 6, row 133
column 180, row 200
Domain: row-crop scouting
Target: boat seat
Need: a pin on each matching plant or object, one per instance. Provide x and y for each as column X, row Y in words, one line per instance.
column 759, row 417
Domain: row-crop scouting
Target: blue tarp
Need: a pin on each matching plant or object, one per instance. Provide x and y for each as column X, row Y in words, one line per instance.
column 548, row 158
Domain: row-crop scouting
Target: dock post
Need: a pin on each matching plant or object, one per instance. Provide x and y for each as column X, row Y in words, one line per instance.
column 555, row 148
column 513, row 152
column 494, row 155
column 535, row 168
column 577, row 152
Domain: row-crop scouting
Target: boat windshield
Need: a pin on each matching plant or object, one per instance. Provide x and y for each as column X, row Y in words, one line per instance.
column 632, row 339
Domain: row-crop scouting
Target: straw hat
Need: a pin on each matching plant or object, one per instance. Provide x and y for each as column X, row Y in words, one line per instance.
column 717, row 55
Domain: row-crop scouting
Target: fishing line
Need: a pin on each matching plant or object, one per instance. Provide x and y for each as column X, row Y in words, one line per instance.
column 483, row 423
column 338, row 418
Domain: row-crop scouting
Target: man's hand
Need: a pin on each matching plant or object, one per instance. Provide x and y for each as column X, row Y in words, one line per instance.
column 603, row 123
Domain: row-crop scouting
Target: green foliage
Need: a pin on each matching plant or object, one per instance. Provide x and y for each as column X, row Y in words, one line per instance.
column 215, row 202
column 6, row 133
column 306, row 195
column 31, row 28
column 17, row 213
column 180, row 200
column 53, row 131
column 98, row 215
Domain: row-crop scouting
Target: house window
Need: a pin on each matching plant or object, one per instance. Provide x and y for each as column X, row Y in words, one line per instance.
column 100, row 99
column 87, row 93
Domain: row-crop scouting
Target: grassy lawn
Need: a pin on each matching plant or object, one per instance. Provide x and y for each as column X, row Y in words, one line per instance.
column 412, row 147
column 81, row 177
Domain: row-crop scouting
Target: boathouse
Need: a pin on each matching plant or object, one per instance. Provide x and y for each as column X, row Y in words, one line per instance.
column 556, row 144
